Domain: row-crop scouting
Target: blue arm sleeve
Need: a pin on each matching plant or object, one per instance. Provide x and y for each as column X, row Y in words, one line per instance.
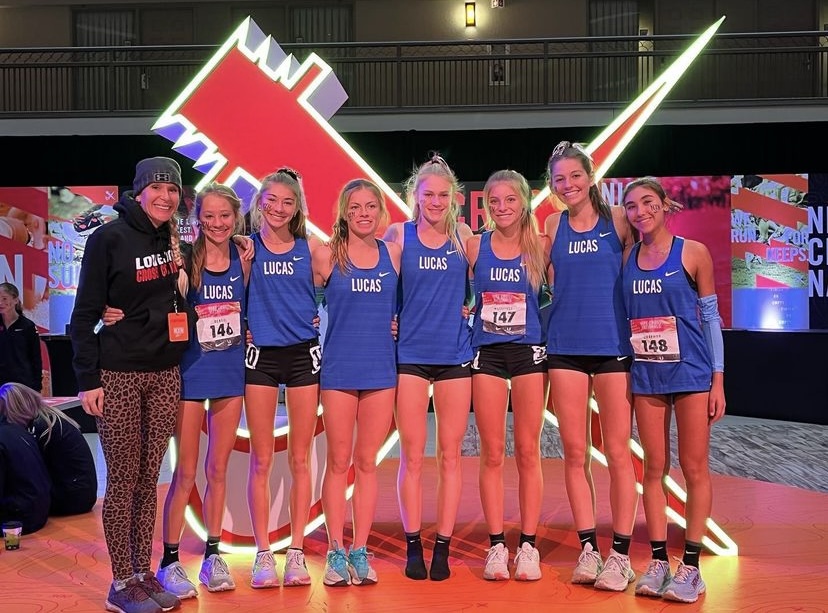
column 711, row 325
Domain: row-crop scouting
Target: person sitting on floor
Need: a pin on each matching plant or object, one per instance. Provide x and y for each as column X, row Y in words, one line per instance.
column 67, row 456
column 24, row 480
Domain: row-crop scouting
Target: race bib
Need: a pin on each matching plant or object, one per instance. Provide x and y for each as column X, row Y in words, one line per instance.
column 219, row 325
column 655, row 339
column 504, row 313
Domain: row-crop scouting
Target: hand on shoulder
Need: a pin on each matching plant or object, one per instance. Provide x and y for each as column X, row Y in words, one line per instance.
column 394, row 233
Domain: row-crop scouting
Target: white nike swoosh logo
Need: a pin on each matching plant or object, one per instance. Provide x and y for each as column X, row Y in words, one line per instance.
column 297, row 258
column 671, row 273
column 621, row 358
column 383, row 274
column 235, row 278
column 451, row 252
column 603, row 234
column 464, row 364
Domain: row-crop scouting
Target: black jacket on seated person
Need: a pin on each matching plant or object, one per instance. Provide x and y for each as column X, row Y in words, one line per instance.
column 24, row 481
column 70, row 465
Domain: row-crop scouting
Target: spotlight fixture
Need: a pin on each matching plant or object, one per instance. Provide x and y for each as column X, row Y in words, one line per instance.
column 471, row 15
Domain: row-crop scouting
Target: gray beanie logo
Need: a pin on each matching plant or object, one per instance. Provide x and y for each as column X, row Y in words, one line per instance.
column 156, row 170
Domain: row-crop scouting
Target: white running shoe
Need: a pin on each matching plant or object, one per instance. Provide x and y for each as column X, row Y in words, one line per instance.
column 174, row 579
column 616, row 574
column 589, row 566
column 215, row 574
column 527, row 563
column 264, row 571
column 497, row 563
column 296, row 571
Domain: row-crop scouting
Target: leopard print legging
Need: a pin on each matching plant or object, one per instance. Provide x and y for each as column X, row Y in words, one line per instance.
column 137, row 423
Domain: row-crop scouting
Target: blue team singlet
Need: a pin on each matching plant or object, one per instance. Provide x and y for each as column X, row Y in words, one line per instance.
column 281, row 302
column 507, row 305
column 213, row 364
column 671, row 355
column 432, row 329
column 587, row 314
column 359, row 352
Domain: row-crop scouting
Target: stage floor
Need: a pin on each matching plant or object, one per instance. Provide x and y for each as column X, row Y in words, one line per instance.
column 781, row 532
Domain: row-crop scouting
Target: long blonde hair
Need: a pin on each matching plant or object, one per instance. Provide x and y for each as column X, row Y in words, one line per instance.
column 531, row 249
column 339, row 238
column 293, row 181
column 436, row 166
column 21, row 405
column 199, row 246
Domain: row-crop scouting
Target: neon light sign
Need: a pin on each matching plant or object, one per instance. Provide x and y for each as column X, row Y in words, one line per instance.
column 253, row 108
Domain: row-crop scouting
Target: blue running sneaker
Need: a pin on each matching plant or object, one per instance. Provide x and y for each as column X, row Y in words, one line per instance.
column 686, row 585
column 359, row 565
column 336, row 568
column 653, row 582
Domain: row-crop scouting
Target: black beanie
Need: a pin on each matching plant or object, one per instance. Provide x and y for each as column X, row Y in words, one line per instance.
column 156, row 170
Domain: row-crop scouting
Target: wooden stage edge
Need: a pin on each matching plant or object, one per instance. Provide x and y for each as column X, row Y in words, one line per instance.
column 781, row 533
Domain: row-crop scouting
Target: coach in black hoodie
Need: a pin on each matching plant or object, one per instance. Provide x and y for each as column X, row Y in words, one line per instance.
column 128, row 372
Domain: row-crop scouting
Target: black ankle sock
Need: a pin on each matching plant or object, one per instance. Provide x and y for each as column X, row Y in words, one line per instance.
column 212, row 546
column 439, row 559
column 526, row 538
column 494, row 539
column 659, row 550
column 170, row 554
column 691, row 554
column 415, row 567
column 621, row 543
column 588, row 536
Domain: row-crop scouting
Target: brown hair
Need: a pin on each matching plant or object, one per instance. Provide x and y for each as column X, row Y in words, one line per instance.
column 576, row 151
column 293, row 181
column 653, row 185
column 11, row 290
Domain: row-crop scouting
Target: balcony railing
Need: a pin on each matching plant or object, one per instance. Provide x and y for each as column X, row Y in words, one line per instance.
column 533, row 73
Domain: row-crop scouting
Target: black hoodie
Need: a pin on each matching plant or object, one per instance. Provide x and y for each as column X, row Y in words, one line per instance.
column 127, row 264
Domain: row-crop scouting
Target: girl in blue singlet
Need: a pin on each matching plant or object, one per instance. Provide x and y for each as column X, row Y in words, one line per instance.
column 589, row 352
column 284, row 350
column 679, row 363
column 509, row 264
column 212, row 370
column 359, row 273
column 433, row 346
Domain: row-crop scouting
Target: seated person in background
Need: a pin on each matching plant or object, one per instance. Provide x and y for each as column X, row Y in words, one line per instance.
column 24, row 480
column 68, row 459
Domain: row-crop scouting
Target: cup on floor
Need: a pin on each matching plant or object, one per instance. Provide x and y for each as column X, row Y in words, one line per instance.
column 11, row 534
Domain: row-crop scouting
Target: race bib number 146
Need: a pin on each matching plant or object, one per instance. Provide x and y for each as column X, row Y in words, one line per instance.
column 219, row 325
